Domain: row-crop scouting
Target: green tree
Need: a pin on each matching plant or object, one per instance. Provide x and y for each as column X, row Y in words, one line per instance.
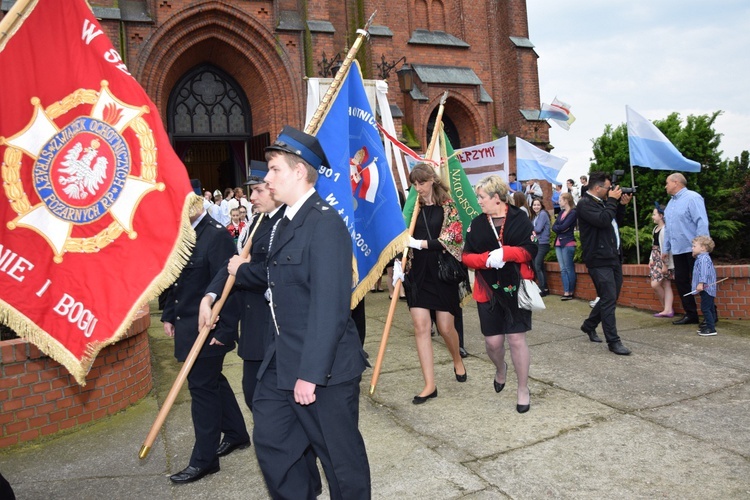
column 723, row 184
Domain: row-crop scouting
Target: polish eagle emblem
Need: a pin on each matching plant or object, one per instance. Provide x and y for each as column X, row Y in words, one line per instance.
column 79, row 177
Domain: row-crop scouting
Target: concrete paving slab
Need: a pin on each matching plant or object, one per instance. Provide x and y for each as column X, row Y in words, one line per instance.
column 721, row 418
column 623, row 457
column 669, row 421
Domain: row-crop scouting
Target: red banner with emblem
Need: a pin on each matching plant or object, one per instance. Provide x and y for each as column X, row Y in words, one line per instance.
column 94, row 202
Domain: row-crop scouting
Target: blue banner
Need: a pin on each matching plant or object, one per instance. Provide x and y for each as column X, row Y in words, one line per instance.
column 360, row 184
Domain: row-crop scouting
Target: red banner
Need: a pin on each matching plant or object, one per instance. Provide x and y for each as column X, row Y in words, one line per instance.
column 94, row 200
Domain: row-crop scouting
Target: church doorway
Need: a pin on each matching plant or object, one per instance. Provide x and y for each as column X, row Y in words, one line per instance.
column 210, row 123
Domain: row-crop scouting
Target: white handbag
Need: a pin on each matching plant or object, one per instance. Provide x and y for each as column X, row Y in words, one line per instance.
column 529, row 296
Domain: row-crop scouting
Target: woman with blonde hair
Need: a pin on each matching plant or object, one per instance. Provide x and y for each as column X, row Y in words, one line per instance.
column 499, row 246
column 438, row 229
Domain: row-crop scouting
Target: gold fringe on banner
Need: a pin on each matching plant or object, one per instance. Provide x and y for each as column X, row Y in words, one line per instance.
column 176, row 260
column 389, row 253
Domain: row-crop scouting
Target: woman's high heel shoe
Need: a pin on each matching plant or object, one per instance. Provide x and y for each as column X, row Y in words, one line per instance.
column 418, row 400
column 498, row 386
column 524, row 408
column 461, row 378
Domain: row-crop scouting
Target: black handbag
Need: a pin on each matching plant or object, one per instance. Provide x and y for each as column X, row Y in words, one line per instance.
column 450, row 270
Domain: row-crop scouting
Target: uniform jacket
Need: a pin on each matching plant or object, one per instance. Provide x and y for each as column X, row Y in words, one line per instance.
column 213, row 247
column 597, row 233
column 255, row 316
column 310, row 271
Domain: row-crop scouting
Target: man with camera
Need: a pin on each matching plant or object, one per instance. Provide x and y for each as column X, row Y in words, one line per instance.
column 600, row 211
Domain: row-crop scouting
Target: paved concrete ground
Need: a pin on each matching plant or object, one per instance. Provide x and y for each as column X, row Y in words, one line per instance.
column 670, row 421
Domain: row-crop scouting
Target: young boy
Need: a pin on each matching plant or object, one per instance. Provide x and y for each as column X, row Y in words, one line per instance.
column 704, row 282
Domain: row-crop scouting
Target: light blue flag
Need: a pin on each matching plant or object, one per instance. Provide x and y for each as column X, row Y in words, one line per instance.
column 534, row 163
column 651, row 149
column 360, row 184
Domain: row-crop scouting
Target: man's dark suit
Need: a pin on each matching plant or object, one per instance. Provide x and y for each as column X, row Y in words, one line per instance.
column 309, row 271
column 255, row 316
column 256, row 326
column 214, row 407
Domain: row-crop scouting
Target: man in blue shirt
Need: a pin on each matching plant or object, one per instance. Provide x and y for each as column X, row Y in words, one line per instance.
column 513, row 184
column 685, row 218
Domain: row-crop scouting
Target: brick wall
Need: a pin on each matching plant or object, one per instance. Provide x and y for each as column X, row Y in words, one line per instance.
column 732, row 300
column 38, row 396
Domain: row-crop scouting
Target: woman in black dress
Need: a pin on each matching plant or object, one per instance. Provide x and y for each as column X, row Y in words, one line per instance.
column 438, row 229
column 500, row 246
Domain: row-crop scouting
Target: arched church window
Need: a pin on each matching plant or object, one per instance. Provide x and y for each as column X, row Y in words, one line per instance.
column 207, row 102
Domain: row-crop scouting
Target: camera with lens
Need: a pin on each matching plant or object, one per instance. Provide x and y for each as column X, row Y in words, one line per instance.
column 616, row 176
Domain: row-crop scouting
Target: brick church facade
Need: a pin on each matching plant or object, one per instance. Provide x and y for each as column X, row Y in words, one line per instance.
column 226, row 75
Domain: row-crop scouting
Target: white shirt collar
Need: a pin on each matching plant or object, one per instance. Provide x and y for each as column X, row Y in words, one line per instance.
column 197, row 221
column 292, row 210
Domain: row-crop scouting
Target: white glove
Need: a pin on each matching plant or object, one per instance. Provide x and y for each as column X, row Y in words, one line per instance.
column 495, row 258
column 398, row 272
column 416, row 244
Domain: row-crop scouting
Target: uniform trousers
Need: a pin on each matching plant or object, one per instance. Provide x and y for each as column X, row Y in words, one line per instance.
column 608, row 282
column 683, row 274
column 249, row 383
column 284, row 430
column 214, row 409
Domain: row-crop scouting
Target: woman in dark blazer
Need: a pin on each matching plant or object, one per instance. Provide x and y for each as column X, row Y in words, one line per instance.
column 565, row 244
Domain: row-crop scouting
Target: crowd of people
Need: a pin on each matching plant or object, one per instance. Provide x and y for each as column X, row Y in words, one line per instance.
column 301, row 344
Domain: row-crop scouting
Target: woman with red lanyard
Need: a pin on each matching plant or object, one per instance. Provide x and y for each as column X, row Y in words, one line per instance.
column 500, row 247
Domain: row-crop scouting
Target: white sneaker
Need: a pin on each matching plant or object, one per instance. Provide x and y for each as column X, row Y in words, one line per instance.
column 592, row 304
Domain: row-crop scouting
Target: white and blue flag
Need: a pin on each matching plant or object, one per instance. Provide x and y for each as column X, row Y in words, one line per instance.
column 360, row 184
column 650, row 148
column 534, row 163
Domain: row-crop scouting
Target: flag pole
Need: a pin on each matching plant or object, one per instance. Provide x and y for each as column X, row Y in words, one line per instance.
column 316, row 120
column 311, row 129
column 635, row 213
column 16, row 14
column 397, row 286
column 193, row 355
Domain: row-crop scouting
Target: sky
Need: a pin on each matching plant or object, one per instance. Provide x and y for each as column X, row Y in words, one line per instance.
column 657, row 56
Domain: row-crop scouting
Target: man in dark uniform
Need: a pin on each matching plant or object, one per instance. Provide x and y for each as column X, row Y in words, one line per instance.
column 308, row 384
column 214, row 408
column 255, row 322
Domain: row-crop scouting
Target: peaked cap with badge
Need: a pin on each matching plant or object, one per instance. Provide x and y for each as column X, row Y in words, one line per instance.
column 306, row 146
column 257, row 173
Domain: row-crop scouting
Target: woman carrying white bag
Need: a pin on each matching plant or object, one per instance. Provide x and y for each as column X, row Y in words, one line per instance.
column 500, row 248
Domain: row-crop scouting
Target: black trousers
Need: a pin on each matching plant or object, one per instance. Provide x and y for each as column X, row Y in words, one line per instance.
column 284, row 430
column 683, row 275
column 249, row 383
column 608, row 282
column 250, row 380
column 214, row 409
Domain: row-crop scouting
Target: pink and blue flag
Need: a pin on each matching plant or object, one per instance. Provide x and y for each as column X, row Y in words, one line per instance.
column 558, row 110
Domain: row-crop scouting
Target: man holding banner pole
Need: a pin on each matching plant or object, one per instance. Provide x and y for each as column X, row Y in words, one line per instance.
column 308, row 384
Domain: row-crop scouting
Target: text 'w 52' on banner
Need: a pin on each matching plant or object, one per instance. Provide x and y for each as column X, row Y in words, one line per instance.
column 95, row 202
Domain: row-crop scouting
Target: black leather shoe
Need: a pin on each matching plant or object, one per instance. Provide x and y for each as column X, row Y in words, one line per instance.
column 463, row 352
column 593, row 337
column 524, row 408
column 418, row 400
column 461, row 378
column 225, row 448
column 618, row 348
column 686, row 320
column 190, row 474
column 498, row 386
